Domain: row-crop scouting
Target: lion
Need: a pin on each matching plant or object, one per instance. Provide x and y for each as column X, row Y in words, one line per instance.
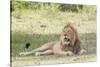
column 68, row 44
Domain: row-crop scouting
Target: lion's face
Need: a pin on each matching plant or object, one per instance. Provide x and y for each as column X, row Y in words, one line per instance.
column 66, row 36
column 69, row 39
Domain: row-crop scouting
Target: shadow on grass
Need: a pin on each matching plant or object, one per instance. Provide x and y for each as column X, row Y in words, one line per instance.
column 18, row 41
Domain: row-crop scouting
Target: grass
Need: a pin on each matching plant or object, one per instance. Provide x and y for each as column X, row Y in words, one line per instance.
column 39, row 27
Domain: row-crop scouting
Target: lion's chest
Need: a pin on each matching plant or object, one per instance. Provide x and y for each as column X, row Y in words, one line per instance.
column 67, row 48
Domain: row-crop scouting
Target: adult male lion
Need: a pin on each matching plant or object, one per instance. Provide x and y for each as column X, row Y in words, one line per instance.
column 68, row 44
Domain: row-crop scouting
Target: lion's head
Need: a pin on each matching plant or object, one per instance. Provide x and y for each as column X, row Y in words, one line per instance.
column 70, row 37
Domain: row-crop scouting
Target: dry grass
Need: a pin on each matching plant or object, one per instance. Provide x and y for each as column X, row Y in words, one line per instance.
column 39, row 60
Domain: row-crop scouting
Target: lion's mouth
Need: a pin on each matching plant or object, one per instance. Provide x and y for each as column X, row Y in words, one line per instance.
column 66, row 39
column 67, row 42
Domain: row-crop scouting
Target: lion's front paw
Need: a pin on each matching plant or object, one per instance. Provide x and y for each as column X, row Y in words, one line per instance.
column 69, row 53
column 22, row 54
column 82, row 52
column 37, row 53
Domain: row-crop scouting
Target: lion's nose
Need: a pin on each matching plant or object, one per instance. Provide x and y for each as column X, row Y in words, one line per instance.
column 67, row 39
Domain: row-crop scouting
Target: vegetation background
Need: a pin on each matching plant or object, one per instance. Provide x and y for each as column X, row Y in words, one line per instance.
column 42, row 22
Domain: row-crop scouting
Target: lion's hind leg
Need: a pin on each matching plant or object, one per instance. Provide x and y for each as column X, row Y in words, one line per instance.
column 44, row 47
column 40, row 49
